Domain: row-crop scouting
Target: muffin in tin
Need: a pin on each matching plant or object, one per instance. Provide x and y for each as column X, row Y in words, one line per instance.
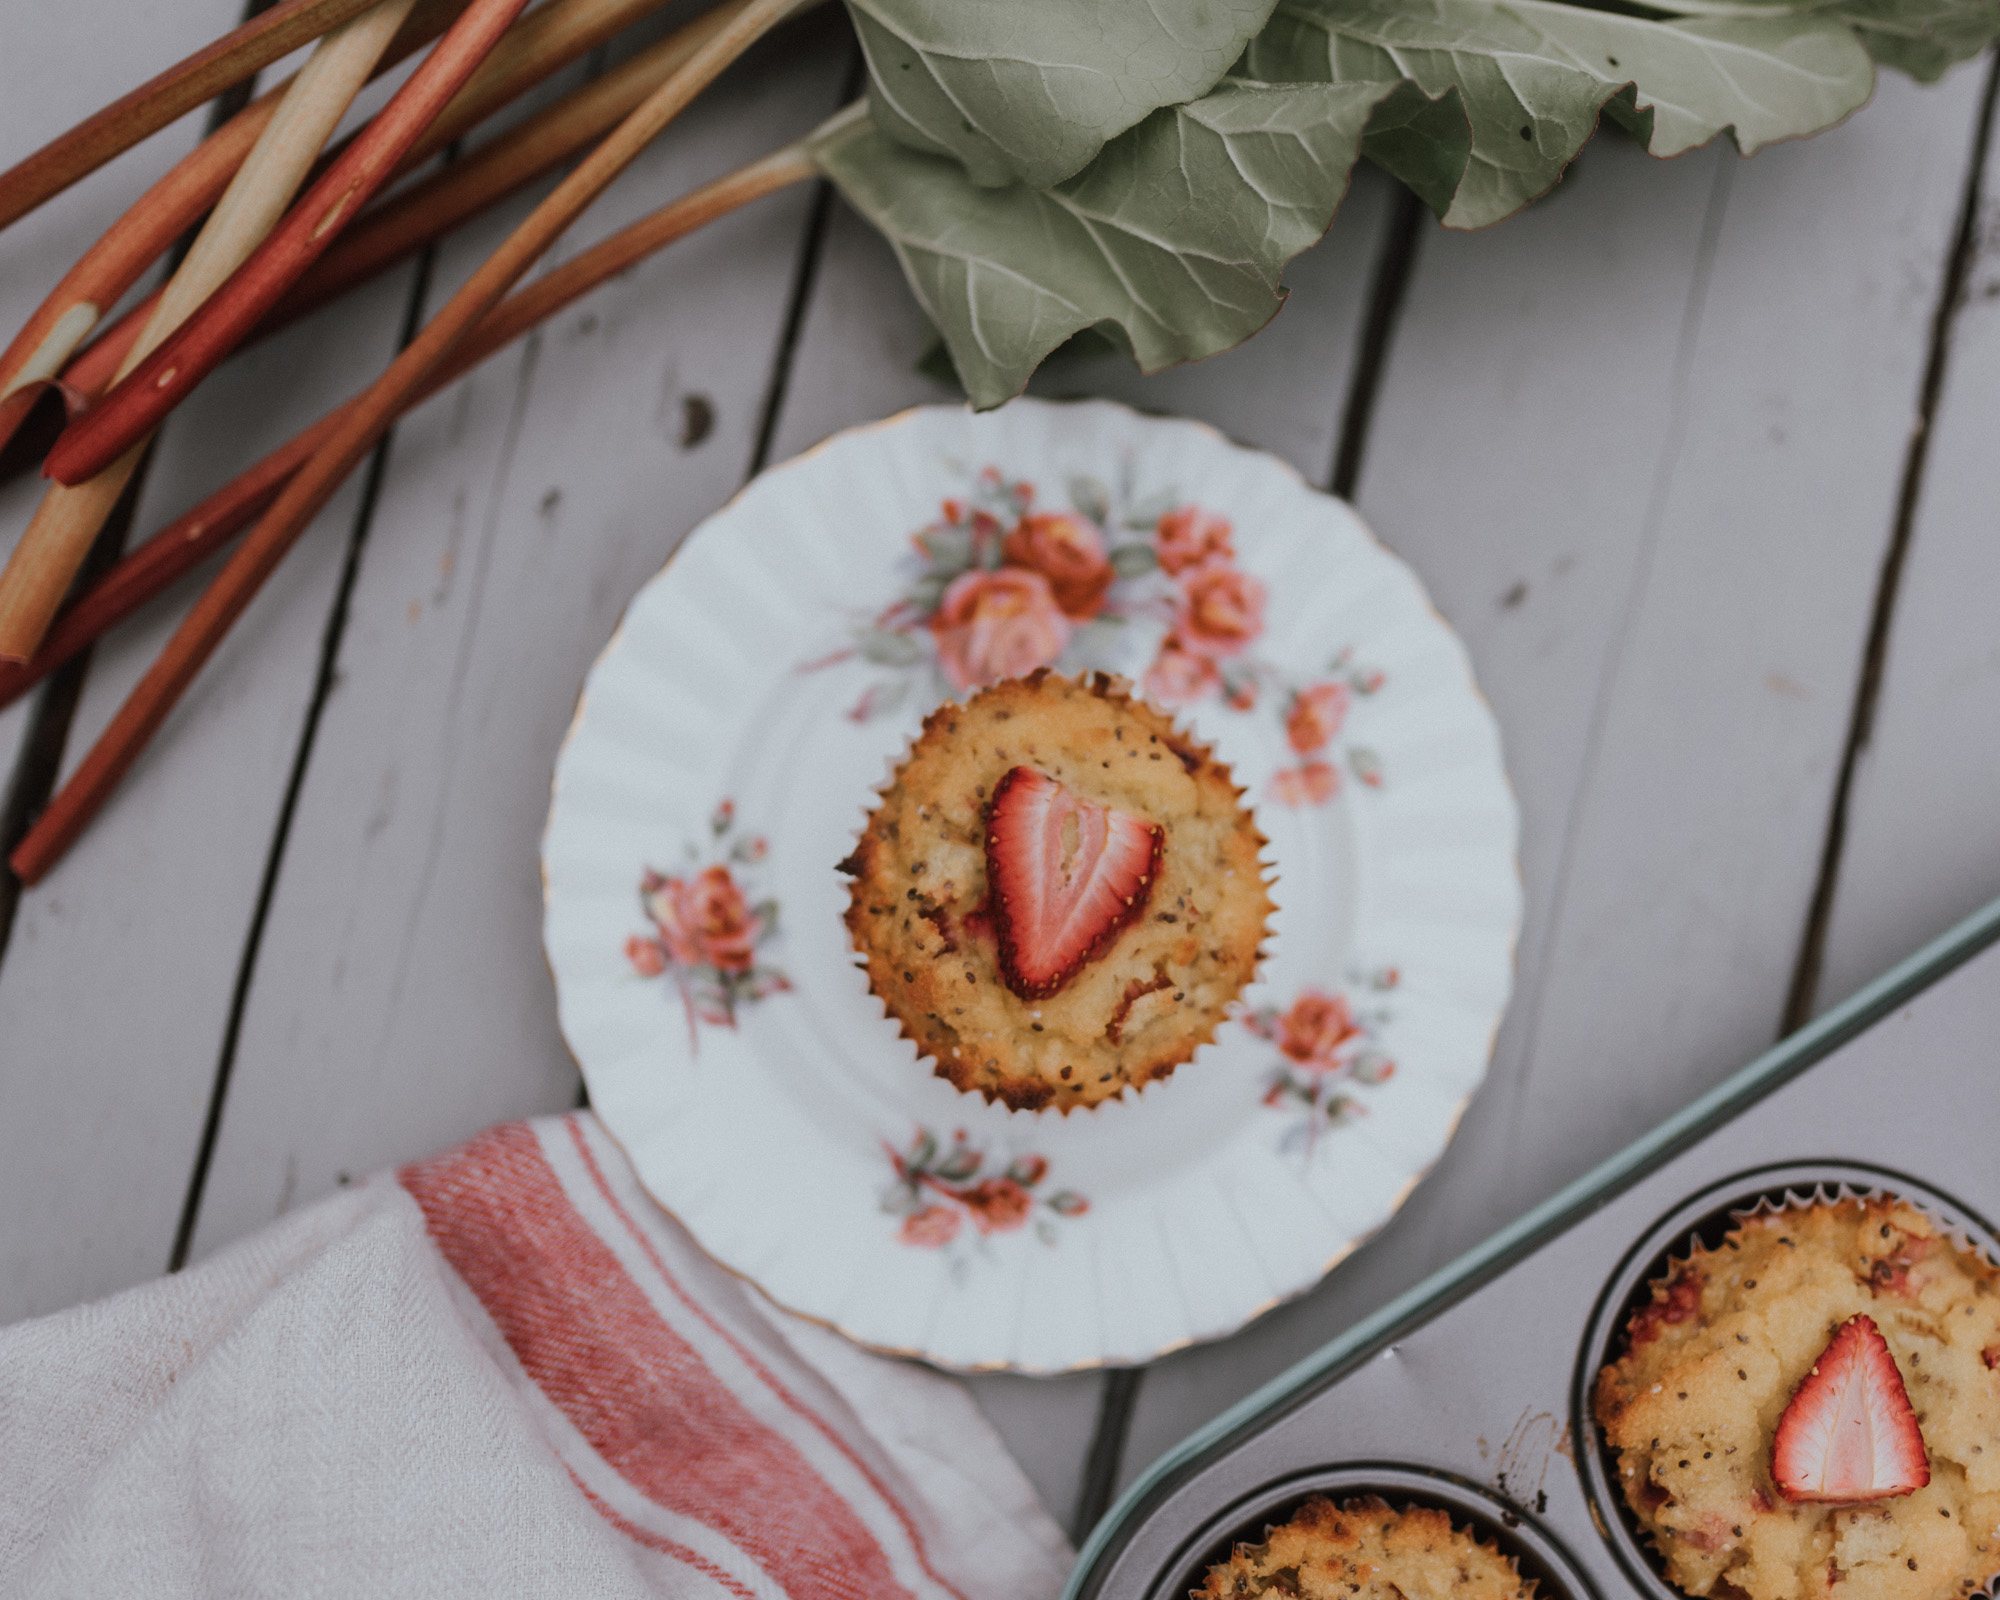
column 1751, row 1355
column 1059, row 895
column 1366, row 1550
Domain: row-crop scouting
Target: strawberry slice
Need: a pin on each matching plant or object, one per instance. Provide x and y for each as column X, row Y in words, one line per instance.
column 1065, row 876
column 1849, row 1433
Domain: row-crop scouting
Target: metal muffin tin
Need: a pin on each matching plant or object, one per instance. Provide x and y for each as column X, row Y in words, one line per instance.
column 1472, row 1391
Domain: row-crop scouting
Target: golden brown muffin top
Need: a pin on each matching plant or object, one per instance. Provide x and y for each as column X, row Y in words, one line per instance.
column 1692, row 1406
column 1366, row 1550
column 920, row 913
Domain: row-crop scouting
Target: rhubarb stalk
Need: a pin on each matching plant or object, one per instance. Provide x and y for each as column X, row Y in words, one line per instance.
column 538, row 44
column 354, row 435
column 134, row 406
column 432, row 208
column 404, row 224
column 45, row 561
column 166, row 98
column 191, row 538
column 160, row 216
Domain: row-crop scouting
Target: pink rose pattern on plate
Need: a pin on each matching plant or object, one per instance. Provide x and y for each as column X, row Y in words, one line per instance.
column 1315, row 717
column 706, row 930
column 1328, row 1045
column 942, row 1197
column 997, row 588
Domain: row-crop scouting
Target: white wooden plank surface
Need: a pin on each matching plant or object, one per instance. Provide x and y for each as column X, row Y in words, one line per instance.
column 1643, row 476
column 1647, row 471
column 117, row 984
column 1923, row 845
column 856, row 361
column 400, row 1002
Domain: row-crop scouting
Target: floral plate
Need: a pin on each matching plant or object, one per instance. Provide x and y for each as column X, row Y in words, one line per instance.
column 724, row 758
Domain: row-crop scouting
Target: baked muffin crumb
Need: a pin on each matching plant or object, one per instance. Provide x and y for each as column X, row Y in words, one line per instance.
column 1692, row 1406
column 1366, row 1550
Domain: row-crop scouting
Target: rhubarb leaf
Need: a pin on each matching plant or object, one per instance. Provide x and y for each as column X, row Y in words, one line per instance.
column 1171, row 242
column 1534, row 76
column 1028, row 91
column 1920, row 37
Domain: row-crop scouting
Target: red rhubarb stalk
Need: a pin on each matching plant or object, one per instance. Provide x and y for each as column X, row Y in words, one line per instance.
column 543, row 42
column 134, row 407
column 403, row 225
column 191, row 538
column 117, row 260
column 536, row 46
column 160, row 216
column 40, row 569
column 166, row 98
column 428, row 210
column 356, row 433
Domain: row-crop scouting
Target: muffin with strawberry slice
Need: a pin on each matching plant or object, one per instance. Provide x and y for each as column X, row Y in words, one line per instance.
column 1811, row 1409
column 1366, row 1550
column 1059, row 894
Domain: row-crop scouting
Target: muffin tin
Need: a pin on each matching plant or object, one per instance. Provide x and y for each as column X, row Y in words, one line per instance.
column 1472, row 1392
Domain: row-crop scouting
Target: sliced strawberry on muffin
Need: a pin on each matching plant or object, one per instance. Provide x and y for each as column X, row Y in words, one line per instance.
column 1066, row 877
column 1849, row 1433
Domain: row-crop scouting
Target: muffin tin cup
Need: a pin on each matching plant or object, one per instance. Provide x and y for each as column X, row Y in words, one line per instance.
column 1473, row 1392
column 1704, row 1218
column 1492, row 1519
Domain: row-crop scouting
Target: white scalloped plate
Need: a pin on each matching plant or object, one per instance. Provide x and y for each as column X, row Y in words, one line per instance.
column 732, row 1046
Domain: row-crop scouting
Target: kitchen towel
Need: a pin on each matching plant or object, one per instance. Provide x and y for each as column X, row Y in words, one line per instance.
column 501, row 1372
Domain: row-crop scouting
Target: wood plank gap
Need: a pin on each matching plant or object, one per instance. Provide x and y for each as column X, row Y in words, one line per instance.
column 1107, row 1449
column 812, row 248
column 323, row 681
column 1394, row 268
column 1665, row 466
column 1804, row 990
column 39, row 762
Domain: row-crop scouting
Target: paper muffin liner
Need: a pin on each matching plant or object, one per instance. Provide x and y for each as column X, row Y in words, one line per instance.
column 1701, row 1223
column 1794, row 1197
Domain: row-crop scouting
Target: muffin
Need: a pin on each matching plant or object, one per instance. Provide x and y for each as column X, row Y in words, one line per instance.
column 1813, row 1404
column 1365, row 1551
column 1059, row 895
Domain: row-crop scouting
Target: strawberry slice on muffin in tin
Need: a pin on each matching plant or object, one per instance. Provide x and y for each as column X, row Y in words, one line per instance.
column 1849, row 1434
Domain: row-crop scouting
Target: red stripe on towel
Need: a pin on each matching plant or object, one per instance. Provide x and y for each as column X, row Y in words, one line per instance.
column 750, row 1360
column 631, row 1385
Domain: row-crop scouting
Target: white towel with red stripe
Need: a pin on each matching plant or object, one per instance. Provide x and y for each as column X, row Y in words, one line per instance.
column 500, row 1372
